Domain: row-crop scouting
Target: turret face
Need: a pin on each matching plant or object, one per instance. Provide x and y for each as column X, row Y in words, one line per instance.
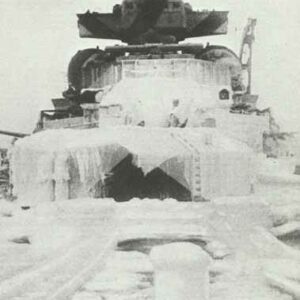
column 152, row 21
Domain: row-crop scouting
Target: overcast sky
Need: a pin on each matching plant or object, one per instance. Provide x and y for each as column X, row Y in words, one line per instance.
column 38, row 38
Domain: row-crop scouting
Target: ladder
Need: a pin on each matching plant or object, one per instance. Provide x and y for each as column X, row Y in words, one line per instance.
column 195, row 168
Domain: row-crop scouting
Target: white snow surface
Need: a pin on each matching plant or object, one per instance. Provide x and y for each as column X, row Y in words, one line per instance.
column 255, row 264
column 256, row 260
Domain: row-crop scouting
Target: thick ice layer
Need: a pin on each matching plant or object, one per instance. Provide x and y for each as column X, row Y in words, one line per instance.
column 151, row 99
column 62, row 164
column 257, row 259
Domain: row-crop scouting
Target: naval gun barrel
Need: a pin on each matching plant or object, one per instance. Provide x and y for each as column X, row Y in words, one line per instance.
column 14, row 134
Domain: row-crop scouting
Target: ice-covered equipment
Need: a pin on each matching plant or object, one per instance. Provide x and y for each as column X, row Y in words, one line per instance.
column 125, row 162
column 172, row 120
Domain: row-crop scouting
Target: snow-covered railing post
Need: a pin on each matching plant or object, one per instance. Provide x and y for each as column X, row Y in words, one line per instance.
column 180, row 272
column 90, row 114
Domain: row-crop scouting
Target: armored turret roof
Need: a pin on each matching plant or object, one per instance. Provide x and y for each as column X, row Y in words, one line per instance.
column 152, row 21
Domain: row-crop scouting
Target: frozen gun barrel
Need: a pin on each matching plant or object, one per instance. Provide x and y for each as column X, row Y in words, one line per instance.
column 14, row 134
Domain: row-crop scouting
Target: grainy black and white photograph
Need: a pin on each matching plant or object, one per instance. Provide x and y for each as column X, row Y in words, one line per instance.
column 149, row 150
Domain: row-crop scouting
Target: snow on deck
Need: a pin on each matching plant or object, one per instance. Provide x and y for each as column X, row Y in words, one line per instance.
column 67, row 242
column 68, row 237
column 235, row 232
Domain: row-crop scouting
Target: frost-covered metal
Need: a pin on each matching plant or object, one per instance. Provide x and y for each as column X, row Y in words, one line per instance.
column 136, row 94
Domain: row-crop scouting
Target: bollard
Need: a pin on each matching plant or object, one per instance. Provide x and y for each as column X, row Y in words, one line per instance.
column 180, row 272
